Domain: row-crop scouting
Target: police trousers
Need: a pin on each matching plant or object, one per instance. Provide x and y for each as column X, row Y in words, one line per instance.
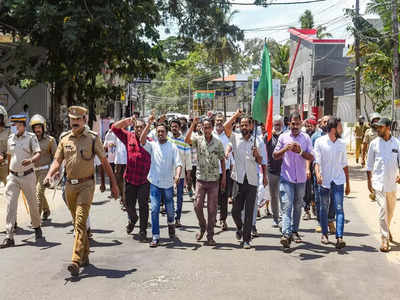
column 14, row 186
column 79, row 197
column 40, row 189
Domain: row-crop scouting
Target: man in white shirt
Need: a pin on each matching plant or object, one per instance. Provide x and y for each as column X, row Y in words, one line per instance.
column 165, row 170
column 120, row 167
column 247, row 153
column 332, row 173
column 110, row 141
column 382, row 171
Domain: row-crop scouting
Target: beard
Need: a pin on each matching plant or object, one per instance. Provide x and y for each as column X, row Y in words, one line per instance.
column 244, row 131
column 324, row 129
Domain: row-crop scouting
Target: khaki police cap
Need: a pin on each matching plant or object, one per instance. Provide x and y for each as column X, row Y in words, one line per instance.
column 76, row 112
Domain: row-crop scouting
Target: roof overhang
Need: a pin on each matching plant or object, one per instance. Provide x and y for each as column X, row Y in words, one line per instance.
column 309, row 35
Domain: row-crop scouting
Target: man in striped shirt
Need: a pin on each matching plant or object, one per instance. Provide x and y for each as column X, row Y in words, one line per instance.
column 184, row 151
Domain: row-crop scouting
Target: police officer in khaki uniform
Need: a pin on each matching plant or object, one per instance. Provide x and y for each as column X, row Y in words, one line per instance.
column 22, row 151
column 48, row 147
column 78, row 148
column 4, row 134
column 370, row 134
column 359, row 133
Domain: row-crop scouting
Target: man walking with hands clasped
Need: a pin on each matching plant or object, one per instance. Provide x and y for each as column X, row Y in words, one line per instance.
column 382, row 171
column 294, row 147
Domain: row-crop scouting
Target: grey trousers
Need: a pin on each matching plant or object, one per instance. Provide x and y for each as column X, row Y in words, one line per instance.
column 274, row 183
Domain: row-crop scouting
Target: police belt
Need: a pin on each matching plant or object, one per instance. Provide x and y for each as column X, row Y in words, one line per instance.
column 80, row 180
column 21, row 174
column 42, row 168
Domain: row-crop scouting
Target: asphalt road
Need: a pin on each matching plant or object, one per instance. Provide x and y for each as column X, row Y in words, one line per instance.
column 123, row 268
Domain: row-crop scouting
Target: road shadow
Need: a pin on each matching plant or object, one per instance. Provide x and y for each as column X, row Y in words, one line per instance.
column 42, row 244
column 227, row 246
column 101, row 231
column 100, row 202
column 94, row 243
column 93, row 271
column 352, row 234
column 50, row 223
column 320, row 251
column 177, row 244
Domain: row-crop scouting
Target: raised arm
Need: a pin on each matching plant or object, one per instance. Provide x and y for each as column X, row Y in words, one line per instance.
column 125, row 123
column 146, row 129
column 229, row 123
column 188, row 138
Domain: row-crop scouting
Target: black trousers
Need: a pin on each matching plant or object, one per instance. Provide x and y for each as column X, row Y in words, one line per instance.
column 193, row 176
column 246, row 198
column 223, row 197
column 141, row 194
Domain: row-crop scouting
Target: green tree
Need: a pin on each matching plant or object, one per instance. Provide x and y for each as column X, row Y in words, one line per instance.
column 321, row 32
column 307, row 20
column 83, row 41
column 376, row 54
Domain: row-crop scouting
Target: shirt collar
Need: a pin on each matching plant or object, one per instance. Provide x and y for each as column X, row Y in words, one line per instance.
column 84, row 132
column 23, row 135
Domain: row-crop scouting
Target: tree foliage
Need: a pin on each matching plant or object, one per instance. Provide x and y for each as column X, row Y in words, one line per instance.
column 376, row 52
column 307, row 20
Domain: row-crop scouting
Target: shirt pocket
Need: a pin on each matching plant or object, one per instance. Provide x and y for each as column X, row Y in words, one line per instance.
column 379, row 165
column 86, row 153
column 12, row 147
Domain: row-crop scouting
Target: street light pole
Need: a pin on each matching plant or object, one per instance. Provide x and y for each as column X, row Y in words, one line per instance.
column 395, row 80
column 357, row 53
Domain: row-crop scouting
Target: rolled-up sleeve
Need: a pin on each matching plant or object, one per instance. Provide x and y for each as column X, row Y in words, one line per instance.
column 176, row 157
column 371, row 157
column 344, row 156
column 122, row 134
column 35, row 144
column 280, row 144
column 188, row 160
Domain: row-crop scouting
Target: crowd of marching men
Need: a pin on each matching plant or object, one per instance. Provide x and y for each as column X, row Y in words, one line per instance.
column 299, row 165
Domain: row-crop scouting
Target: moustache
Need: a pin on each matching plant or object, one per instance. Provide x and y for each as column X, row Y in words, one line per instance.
column 75, row 125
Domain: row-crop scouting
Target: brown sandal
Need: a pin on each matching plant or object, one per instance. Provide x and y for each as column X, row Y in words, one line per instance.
column 384, row 247
column 200, row 235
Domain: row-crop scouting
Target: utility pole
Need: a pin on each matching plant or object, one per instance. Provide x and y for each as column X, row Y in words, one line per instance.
column 395, row 80
column 189, row 100
column 223, row 89
column 357, row 52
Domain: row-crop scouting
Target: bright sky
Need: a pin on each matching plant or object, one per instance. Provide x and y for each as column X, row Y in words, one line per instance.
column 273, row 21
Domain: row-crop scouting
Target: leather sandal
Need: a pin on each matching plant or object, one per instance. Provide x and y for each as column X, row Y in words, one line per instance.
column 385, row 246
column 200, row 235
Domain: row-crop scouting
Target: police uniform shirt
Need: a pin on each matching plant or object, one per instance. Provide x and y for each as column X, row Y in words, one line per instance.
column 48, row 147
column 77, row 150
column 370, row 135
column 20, row 148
